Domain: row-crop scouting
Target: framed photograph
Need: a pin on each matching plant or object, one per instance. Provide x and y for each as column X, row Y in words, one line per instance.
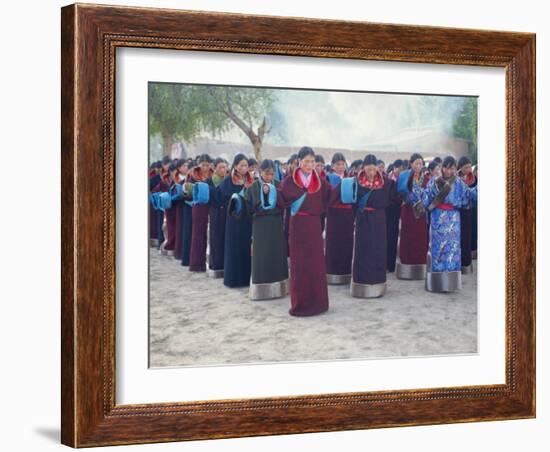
column 279, row 225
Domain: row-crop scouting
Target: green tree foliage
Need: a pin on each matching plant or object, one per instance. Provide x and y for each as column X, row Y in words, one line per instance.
column 172, row 113
column 465, row 125
column 183, row 112
column 457, row 116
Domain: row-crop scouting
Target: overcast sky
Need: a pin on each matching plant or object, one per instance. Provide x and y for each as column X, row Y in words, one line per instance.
column 351, row 120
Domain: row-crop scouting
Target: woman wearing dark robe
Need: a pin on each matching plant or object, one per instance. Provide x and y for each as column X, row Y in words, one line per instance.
column 199, row 226
column 183, row 168
column 307, row 195
column 370, row 247
column 238, row 229
column 339, row 229
column 443, row 198
column 413, row 240
column 393, row 215
column 167, row 248
column 269, row 254
column 467, row 176
column 216, row 231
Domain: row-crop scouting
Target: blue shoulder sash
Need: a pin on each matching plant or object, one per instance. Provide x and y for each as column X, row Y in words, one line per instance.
column 402, row 182
column 348, row 190
column 201, row 193
column 333, row 179
column 271, row 197
column 295, row 206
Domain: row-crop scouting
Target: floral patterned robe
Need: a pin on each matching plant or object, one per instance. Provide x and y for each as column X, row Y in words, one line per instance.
column 445, row 223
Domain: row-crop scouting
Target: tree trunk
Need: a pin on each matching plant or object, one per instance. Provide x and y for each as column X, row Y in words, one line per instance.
column 257, row 144
column 168, row 141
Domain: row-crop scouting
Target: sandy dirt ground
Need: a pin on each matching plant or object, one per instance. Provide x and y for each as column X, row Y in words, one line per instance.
column 195, row 320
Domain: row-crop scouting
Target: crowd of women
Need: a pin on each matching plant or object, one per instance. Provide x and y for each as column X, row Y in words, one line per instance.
column 296, row 226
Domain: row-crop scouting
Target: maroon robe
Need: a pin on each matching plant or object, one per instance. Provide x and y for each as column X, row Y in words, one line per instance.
column 179, row 236
column 197, row 257
column 308, row 282
column 413, row 241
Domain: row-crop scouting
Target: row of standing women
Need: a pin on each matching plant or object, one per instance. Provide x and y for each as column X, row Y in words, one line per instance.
column 254, row 223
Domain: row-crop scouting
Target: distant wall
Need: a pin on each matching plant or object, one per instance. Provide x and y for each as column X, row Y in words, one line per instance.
column 428, row 145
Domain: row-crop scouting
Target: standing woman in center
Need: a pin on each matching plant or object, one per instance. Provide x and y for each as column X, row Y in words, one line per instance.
column 238, row 229
column 307, row 195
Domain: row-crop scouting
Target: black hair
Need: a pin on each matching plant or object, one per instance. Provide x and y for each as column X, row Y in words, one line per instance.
column 356, row 163
column 398, row 163
column 267, row 164
column 204, row 158
column 462, row 161
column 415, row 157
column 380, row 162
column 328, row 168
column 305, row 151
column 405, row 163
column 181, row 162
column 370, row 159
column 432, row 165
column 166, row 160
column 252, row 161
column 438, row 160
column 291, row 159
column 173, row 167
column 319, row 159
column 338, row 157
column 449, row 161
column 239, row 158
column 389, row 169
column 219, row 160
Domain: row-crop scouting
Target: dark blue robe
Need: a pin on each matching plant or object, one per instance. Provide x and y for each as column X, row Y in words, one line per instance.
column 238, row 236
column 187, row 227
column 216, row 231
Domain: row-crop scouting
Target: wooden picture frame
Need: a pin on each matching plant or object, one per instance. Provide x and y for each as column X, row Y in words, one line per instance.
column 90, row 35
